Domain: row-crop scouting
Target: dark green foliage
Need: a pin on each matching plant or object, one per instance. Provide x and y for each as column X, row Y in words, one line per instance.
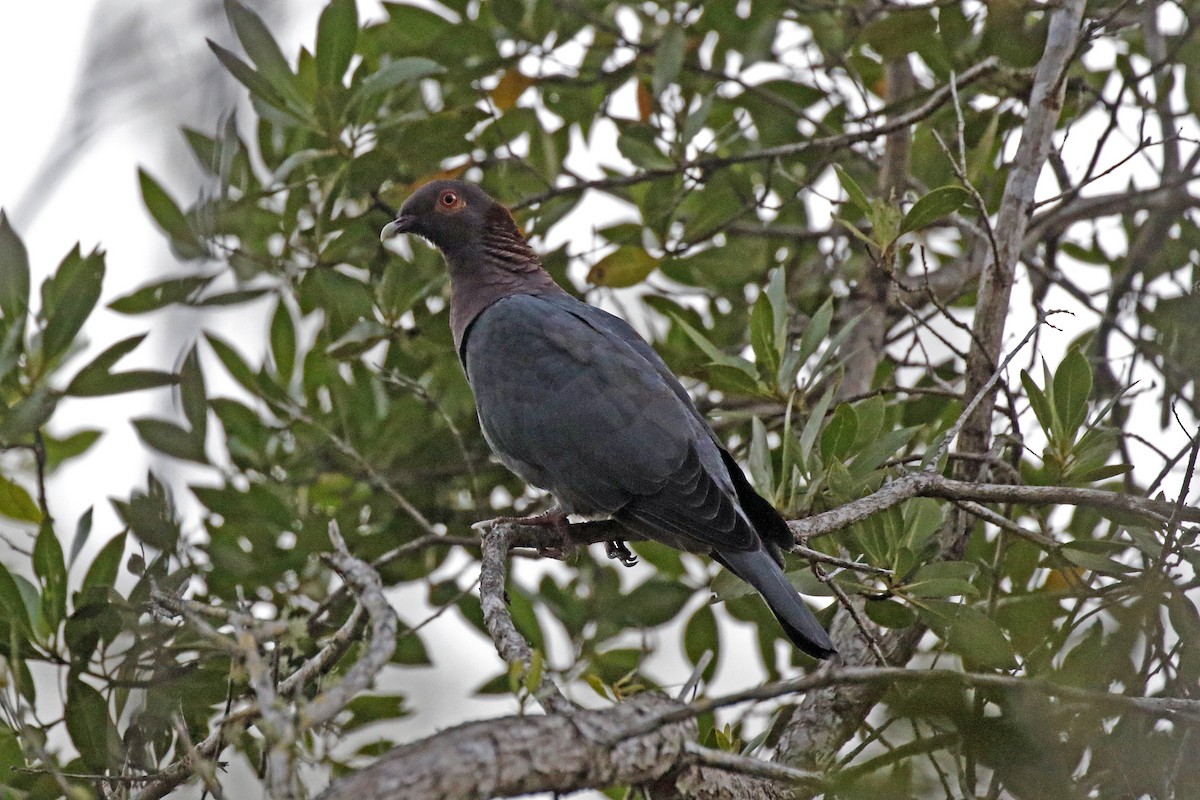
column 350, row 405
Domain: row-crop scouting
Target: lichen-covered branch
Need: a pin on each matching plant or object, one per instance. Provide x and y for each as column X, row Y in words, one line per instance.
column 510, row 644
column 519, row 755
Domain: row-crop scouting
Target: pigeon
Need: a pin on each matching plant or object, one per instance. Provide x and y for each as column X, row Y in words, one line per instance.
column 575, row 402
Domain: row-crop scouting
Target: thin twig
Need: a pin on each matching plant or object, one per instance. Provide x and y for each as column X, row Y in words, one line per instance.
column 733, row 762
column 848, row 604
column 368, row 589
column 1165, row 707
column 845, row 563
column 935, row 101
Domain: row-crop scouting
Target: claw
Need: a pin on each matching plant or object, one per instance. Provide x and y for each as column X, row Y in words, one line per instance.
column 620, row 551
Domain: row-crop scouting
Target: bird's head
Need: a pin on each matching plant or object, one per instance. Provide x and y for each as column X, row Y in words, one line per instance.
column 450, row 214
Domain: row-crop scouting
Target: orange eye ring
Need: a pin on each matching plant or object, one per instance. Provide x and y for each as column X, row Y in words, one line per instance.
column 449, row 199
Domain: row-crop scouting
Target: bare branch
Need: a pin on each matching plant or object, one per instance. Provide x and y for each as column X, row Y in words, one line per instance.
column 995, row 289
column 524, row 754
column 510, row 644
column 1165, row 707
column 368, row 589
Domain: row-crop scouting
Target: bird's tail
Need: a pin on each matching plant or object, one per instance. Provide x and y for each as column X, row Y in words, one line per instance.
column 757, row 568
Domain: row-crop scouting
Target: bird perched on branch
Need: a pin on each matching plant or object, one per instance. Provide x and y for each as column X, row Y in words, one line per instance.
column 573, row 401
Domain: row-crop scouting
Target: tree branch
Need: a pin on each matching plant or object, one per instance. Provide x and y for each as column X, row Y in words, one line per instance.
column 1016, row 207
column 524, row 754
column 937, row 98
column 510, row 644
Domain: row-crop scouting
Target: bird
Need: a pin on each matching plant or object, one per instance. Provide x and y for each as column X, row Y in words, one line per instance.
column 575, row 402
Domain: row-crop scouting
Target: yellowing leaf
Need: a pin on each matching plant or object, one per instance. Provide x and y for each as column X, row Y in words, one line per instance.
column 625, row 266
column 645, row 102
column 512, row 84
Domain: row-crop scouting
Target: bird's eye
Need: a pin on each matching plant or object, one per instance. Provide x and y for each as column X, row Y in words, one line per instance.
column 449, row 199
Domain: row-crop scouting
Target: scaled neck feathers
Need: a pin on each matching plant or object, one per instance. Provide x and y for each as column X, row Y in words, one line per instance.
column 502, row 264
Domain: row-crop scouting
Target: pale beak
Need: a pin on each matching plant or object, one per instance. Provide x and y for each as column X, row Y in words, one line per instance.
column 400, row 224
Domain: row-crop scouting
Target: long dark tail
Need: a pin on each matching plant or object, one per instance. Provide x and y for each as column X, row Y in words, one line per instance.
column 757, row 568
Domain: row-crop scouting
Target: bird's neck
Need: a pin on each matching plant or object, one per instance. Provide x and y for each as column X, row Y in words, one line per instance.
column 476, row 283
column 500, row 263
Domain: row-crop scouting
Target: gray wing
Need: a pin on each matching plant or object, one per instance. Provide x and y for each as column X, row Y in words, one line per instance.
column 578, row 409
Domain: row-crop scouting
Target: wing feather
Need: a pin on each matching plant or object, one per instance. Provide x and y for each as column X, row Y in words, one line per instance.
column 580, row 410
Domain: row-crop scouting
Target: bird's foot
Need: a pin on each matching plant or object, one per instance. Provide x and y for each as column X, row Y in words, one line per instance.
column 619, row 550
column 554, row 518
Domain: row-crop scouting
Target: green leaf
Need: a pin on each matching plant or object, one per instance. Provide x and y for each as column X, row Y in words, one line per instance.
column 761, row 468
column 60, row 450
column 700, row 635
column 942, row 579
column 14, row 272
column 776, row 292
column 889, row 613
column 337, row 33
column 969, row 632
column 234, row 363
column 626, row 266
column 91, row 728
column 260, row 45
column 727, row 586
column 644, row 153
column 68, row 297
column 1040, row 404
column 857, row 197
column 839, row 434
column 402, row 70
column 192, row 396
column 83, row 530
column 259, row 86
column 883, row 448
column 1103, row 473
column 762, row 339
column 1090, row 555
column 283, row 342
column 897, row 34
column 170, row 439
column 1072, row 387
column 32, row 600
column 169, row 218
column 812, row 426
column 51, row 570
column 715, row 355
column 737, row 380
column 940, row 202
column 28, row 415
column 134, row 380
column 234, row 298
column 362, row 336
column 922, row 518
column 17, row 503
column 13, row 603
column 410, row 650
column 151, row 514
column 95, row 380
column 668, row 59
column 652, row 603
column 371, row 708
column 816, row 330
column 103, row 571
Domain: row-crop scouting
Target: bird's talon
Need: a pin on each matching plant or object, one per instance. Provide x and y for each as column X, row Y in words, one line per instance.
column 620, row 551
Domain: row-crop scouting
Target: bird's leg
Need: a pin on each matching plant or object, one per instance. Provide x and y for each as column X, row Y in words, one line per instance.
column 619, row 550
